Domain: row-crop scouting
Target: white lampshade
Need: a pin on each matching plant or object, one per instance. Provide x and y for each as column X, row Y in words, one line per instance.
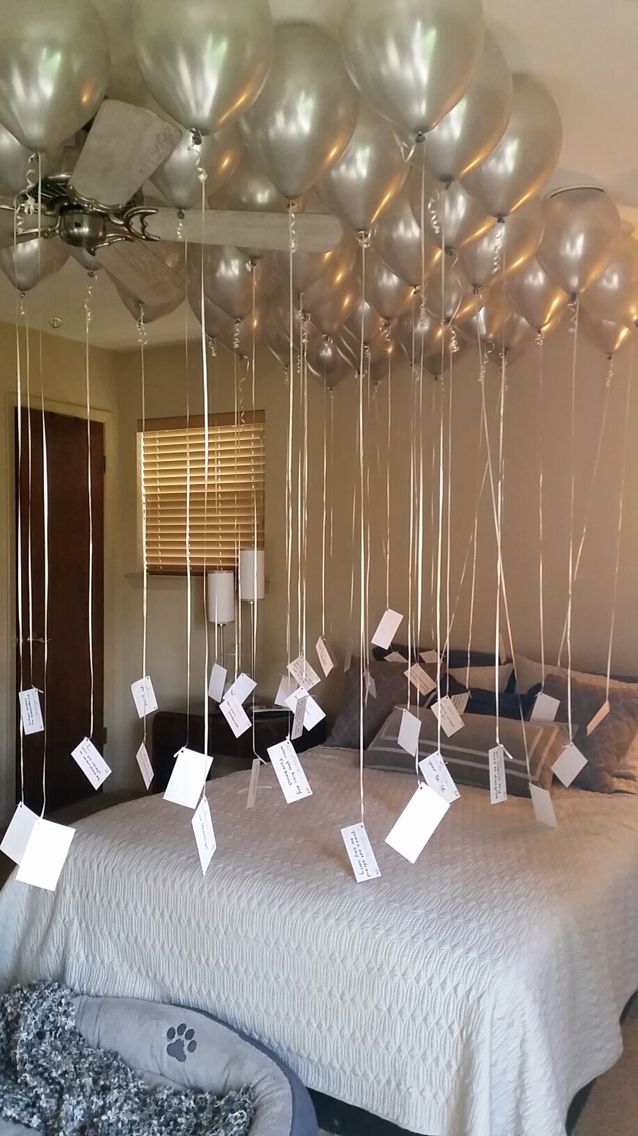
column 220, row 597
column 251, row 574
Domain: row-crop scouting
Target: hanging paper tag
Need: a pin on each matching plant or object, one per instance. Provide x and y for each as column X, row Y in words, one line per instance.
column 543, row 807
column 45, row 854
column 235, row 715
column 188, row 778
column 460, row 701
column 144, row 762
column 301, row 670
column 498, row 780
column 241, row 688
column 30, row 712
column 388, row 626
column 599, row 717
column 420, row 818
column 429, row 656
column 360, row 853
column 297, row 722
column 325, row 655
column 17, row 835
column 445, row 711
column 420, row 678
column 394, row 657
column 545, row 708
column 409, row 731
column 284, row 690
column 202, row 823
column 253, row 784
column 290, row 774
column 313, row 713
column 217, row 682
column 439, row 778
column 370, row 685
column 144, row 696
column 91, row 762
column 569, row 764
column 347, row 662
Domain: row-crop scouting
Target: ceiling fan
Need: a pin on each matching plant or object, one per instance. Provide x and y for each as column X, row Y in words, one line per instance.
column 98, row 209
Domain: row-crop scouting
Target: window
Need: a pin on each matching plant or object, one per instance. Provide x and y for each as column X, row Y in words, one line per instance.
column 226, row 518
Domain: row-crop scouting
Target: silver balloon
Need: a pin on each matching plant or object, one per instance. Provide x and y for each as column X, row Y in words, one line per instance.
column 250, row 188
column 439, row 363
column 489, row 321
column 150, row 312
column 369, row 173
column 609, row 335
column 607, row 295
column 15, row 161
column 505, row 247
column 309, row 267
column 516, row 335
column 347, row 348
column 335, row 276
column 276, row 334
column 536, row 295
column 238, row 335
column 417, row 333
column 218, row 155
column 228, row 277
column 54, row 68
column 581, row 228
column 325, row 361
column 520, row 164
column 205, row 61
column 328, row 317
column 412, row 59
column 306, row 113
column 382, row 287
column 28, row 263
column 452, row 217
column 450, row 296
column 363, row 318
column 470, row 131
column 214, row 318
column 397, row 238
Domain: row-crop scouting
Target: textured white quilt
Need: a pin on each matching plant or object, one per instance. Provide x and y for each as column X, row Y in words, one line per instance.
column 469, row 995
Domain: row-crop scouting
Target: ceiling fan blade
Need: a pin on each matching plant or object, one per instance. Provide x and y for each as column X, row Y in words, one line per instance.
column 137, row 268
column 124, row 146
column 27, row 229
column 315, row 232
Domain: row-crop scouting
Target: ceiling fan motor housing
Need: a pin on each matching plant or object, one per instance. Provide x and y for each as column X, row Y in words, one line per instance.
column 83, row 229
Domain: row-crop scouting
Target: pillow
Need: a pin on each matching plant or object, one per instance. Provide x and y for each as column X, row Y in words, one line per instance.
column 610, row 742
column 484, row 678
column 391, row 690
column 466, row 752
column 456, row 657
column 529, row 672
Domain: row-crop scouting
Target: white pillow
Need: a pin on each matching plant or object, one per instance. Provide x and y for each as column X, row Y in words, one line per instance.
column 483, row 678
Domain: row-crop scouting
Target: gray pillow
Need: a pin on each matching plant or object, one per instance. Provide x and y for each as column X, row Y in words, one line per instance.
column 607, row 746
column 391, row 690
column 466, row 752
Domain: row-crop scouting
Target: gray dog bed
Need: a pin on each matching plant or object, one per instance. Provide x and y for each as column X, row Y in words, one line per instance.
column 173, row 1045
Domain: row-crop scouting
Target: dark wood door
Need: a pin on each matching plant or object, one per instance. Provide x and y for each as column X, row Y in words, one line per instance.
column 66, row 697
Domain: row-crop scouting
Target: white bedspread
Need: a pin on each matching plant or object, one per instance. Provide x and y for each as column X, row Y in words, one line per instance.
column 469, row 995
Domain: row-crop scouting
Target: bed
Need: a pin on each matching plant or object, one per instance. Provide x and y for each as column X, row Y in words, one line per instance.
column 472, row 994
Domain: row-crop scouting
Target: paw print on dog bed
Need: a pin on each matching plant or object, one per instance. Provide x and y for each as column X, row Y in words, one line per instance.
column 181, row 1042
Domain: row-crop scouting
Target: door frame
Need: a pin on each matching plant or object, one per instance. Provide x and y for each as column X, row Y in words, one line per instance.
column 8, row 724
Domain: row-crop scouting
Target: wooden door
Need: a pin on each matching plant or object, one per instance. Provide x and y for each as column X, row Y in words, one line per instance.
column 66, row 696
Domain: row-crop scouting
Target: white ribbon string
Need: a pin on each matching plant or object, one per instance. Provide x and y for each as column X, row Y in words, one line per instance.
column 29, row 497
column 239, row 638
column 499, row 541
column 142, row 336
column 45, row 523
column 362, row 534
column 324, row 518
column 331, row 484
column 204, row 354
column 388, row 453
column 254, row 606
column 20, row 307
column 619, row 528
column 439, row 550
column 432, row 519
column 291, row 413
column 448, row 566
column 572, row 496
column 89, row 479
column 541, row 583
column 187, row 531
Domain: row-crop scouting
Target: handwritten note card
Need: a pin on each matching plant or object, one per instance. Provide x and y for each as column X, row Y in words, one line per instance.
column 45, row 854
column 91, row 762
column 360, row 853
column 387, row 627
column 326, row 658
column 420, row 679
column 545, row 708
column 241, row 688
column 217, row 682
column 305, row 675
column 144, row 763
column 419, row 820
column 188, row 778
column 313, row 713
column 202, row 823
column 429, row 656
column 445, row 711
column 235, row 715
column 498, row 781
column 460, row 701
column 297, row 721
column 253, row 784
column 284, row 690
column 30, row 711
column 289, row 772
column 144, row 696
column 395, row 657
column 568, row 764
column 409, row 731
column 17, row 835
column 439, row 778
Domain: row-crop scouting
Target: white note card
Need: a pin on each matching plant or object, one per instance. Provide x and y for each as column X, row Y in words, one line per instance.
column 409, row 731
column 289, row 772
column 420, row 678
column 284, row 690
column 429, row 656
column 313, row 713
column 217, row 683
column 305, row 675
column 347, row 662
column 360, row 853
column 202, row 823
column 545, row 708
column 420, row 818
column 45, row 854
column 498, row 780
column 17, row 835
column 235, row 715
column 297, row 721
column 30, row 711
column 569, row 764
column 439, row 778
column 253, row 784
column 445, row 711
column 144, row 763
column 188, row 778
column 387, row 628
column 543, row 807
column 241, row 688
column 370, row 685
column 144, row 696
column 460, row 701
column 395, row 657
column 326, row 658
column 91, row 762
column 599, row 717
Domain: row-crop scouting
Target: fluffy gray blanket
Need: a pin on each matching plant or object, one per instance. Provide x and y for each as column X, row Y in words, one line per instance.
column 52, row 1080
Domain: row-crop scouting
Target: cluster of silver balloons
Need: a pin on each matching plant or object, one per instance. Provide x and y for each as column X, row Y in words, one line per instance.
column 409, row 128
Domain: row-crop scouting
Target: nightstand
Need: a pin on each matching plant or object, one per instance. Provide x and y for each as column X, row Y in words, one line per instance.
column 172, row 730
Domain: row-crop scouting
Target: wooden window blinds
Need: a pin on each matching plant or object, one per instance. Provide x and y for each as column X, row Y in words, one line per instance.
column 227, row 518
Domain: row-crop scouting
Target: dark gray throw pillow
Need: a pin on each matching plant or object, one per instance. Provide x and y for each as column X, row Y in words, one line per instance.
column 391, row 690
column 607, row 745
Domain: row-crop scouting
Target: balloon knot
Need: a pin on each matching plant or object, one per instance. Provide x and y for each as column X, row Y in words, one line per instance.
column 364, row 237
column 196, row 137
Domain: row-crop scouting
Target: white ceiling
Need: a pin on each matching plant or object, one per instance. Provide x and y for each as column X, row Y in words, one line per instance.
column 584, row 51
